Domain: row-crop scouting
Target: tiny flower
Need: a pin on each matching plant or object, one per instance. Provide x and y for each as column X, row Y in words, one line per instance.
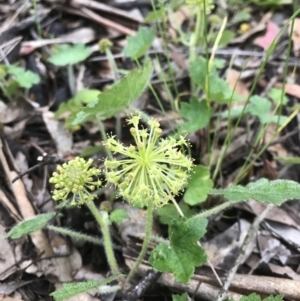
column 75, row 177
column 150, row 170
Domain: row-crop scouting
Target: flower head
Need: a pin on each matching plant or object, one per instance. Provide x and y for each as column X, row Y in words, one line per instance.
column 75, row 177
column 152, row 169
column 104, row 44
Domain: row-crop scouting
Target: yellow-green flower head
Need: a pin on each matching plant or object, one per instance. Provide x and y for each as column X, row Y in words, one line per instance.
column 152, row 169
column 75, row 177
column 104, row 44
column 203, row 4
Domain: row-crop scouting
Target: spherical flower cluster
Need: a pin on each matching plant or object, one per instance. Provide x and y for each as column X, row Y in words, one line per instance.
column 152, row 170
column 76, row 178
column 104, row 44
column 207, row 4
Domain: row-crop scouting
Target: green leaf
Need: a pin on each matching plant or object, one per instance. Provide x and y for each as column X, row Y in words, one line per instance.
column 12, row 88
column 155, row 16
column 113, row 100
column 199, row 186
column 274, row 192
column 276, row 95
column 183, row 297
column 183, row 254
column 69, row 54
column 76, row 105
column 167, row 213
column 3, row 71
column 30, row 225
column 219, row 63
column 118, row 215
column 26, row 79
column 139, row 44
column 197, row 113
column 261, row 107
column 241, row 17
column 219, row 89
column 226, row 38
column 255, row 297
column 288, row 160
column 235, row 112
column 69, row 290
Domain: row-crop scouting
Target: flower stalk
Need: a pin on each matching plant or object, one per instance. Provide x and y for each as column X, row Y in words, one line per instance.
column 146, row 241
column 103, row 221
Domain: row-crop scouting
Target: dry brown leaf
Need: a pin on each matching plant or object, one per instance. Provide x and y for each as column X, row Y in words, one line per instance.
column 7, row 256
column 14, row 213
column 62, row 137
column 222, row 250
column 84, row 35
column 295, row 34
column 15, row 109
column 280, row 270
column 268, row 38
column 7, row 298
column 291, row 89
column 195, row 286
column 270, row 135
column 177, row 18
column 38, row 238
column 276, row 214
column 235, row 83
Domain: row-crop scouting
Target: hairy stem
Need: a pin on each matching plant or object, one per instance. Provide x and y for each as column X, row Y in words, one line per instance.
column 103, row 221
column 76, row 235
column 142, row 254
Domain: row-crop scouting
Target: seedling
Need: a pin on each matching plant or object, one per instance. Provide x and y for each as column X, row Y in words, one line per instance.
column 67, row 55
column 13, row 77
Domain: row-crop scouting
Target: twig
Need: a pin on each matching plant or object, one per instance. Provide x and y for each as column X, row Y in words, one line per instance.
column 251, row 233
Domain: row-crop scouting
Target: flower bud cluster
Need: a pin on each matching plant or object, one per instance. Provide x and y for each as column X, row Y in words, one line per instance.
column 77, row 178
column 152, row 169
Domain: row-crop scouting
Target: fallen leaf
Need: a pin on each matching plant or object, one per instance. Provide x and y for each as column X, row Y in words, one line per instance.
column 6, row 255
column 7, row 298
column 61, row 136
column 291, row 89
column 239, row 87
column 270, row 35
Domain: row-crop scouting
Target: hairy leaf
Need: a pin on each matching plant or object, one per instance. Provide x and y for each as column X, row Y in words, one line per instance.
column 199, row 185
column 197, row 113
column 183, row 254
column 274, row 192
column 113, row 100
column 69, row 290
column 118, row 215
column 168, row 213
column 255, row 297
column 30, row 225
column 139, row 44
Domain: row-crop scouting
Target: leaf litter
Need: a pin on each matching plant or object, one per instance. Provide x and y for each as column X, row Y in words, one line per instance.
column 31, row 97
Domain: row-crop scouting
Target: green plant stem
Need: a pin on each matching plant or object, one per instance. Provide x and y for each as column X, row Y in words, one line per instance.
column 213, row 210
column 103, row 221
column 115, row 70
column 71, row 79
column 36, row 19
column 76, row 235
column 104, row 137
column 142, row 254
